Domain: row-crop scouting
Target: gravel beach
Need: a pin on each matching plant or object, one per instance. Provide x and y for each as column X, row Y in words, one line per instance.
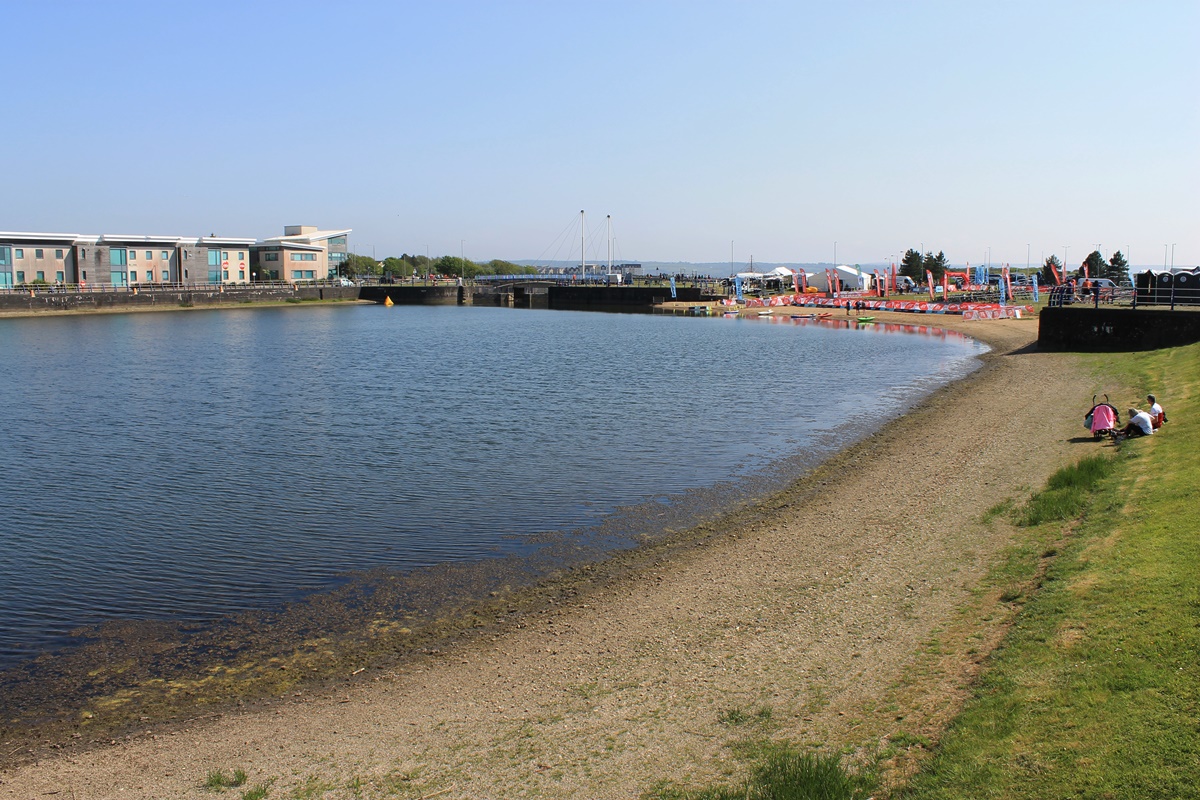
column 807, row 619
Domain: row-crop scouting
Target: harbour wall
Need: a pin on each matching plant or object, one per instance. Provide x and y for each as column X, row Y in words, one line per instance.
column 526, row 295
column 175, row 297
column 1115, row 329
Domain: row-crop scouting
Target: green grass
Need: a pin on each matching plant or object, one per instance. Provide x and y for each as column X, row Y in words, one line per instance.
column 737, row 716
column 1067, row 493
column 785, row 774
column 218, row 780
column 1095, row 691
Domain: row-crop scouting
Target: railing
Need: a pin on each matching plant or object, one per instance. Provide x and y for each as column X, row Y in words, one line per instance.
column 137, row 288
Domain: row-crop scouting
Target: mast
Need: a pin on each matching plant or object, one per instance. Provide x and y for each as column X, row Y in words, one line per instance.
column 610, row 244
column 582, row 247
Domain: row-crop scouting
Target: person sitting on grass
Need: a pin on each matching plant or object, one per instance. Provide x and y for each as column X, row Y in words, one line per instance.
column 1157, row 415
column 1140, row 424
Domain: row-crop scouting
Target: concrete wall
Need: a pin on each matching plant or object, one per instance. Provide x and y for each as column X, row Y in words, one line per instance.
column 597, row 298
column 1112, row 329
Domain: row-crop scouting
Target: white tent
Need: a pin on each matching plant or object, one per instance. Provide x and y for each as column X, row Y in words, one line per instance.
column 854, row 278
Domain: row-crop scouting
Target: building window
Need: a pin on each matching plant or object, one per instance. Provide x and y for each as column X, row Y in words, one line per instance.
column 82, row 254
column 270, row 256
column 225, row 274
column 133, row 255
column 19, row 253
column 83, row 276
column 224, row 256
column 116, row 257
column 38, row 253
column 304, row 256
column 241, row 274
column 58, row 254
column 58, row 276
column 302, row 274
column 166, row 276
column 166, row 255
column 20, row 276
column 41, row 275
column 133, row 276
column 241, row 255
column 149, row 255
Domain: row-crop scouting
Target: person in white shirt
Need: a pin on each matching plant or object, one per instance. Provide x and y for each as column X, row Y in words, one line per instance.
column 1140, row 424
column 1157, row 415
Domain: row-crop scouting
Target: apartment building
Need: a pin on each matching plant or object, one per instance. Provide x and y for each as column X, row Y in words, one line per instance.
column 303, row 253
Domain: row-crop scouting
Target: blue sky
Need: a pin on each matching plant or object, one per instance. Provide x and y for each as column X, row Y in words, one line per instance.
column 779, row 127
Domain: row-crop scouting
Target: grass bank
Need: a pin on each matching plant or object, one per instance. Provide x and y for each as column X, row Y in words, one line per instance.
column 1095, row 692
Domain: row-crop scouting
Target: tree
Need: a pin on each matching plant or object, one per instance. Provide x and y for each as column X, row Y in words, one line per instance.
column 359, row 265
column 453, row 265
column 1052, row 264
column 913, row 265
column 397, row 267
column 936, row 265
column 1095, row 266
column 498, row 267
column 1118, row 269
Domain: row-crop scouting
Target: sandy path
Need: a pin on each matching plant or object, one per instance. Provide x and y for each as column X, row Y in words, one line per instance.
column 812, row 611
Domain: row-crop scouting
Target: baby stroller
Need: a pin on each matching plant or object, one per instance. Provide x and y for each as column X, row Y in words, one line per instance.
column 1103, row 419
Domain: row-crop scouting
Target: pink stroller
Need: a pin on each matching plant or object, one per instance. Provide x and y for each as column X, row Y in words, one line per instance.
column 1103, row 419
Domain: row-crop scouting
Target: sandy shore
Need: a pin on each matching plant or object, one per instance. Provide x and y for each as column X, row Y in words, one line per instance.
column 809, row 619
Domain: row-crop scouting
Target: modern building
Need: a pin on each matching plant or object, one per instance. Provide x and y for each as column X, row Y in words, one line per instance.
column 120, row 260
column 303, row 253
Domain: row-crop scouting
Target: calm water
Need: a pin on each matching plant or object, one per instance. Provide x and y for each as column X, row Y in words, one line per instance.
column 186, row 466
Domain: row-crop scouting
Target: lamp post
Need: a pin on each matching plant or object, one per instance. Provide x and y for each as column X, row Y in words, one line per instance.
column 835, row 253
column 1172, row 257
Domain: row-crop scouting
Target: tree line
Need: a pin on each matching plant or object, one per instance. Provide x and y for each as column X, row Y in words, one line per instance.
column 1116, row 268
column 405, row 266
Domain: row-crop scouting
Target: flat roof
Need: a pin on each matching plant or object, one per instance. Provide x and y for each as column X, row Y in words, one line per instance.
column 45, row 237
column 308, row 237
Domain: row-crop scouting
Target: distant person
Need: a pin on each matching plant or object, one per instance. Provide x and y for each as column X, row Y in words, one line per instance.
column 1140, row 424
column 1157, row 415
